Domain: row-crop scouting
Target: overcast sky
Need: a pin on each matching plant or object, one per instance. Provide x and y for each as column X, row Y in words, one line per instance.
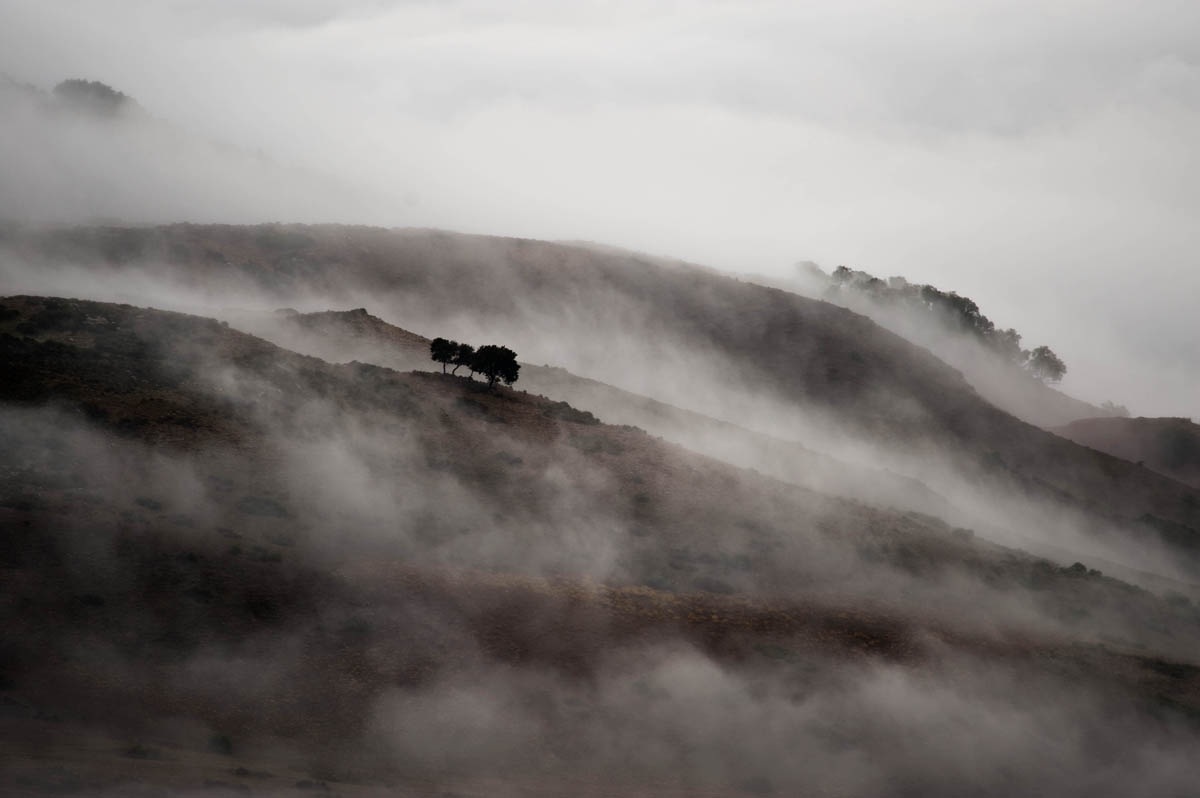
column 1039, row 157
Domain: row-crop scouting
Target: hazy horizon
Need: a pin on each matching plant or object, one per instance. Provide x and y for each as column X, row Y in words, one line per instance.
column 574, row 499
column 1038, row 161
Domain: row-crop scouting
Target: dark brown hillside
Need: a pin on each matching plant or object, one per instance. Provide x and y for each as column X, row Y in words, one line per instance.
column 230, row 567
column 997, row 378
column 358, row 335
column 811, row 350
column 443, row 460
column 1170, row 446
column 676, row 519
column 614, row 315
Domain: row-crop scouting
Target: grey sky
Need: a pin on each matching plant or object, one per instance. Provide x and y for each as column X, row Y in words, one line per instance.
column 1038, row 157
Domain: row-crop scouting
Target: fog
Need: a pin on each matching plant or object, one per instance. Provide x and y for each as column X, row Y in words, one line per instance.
column 789, row 553
column 356, row 490
column 621, row 340
column 1038, row 160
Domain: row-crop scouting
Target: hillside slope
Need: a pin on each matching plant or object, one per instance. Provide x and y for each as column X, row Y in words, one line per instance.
column 233, row 567
column 1170, row 446
column 551, row 481
column 763, row 358
column 339, row 336
column 999, row 379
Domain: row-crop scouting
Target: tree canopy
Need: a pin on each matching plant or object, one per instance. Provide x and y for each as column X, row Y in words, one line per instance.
column 955, row 311
column 93, row 96
column 443, row 350
column 1045, row 365
column 497, row 363
column 464, row 355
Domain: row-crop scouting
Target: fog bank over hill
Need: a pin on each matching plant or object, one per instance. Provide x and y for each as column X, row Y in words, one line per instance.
column 238, row 568
column 1011, row 373
column 407, row 398
column 779, row 364
column 87, row 151
column 1050, row 176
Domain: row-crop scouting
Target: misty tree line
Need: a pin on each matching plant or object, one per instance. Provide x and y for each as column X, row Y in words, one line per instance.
column 92, row 95
column 958, row 312
column 492, row 361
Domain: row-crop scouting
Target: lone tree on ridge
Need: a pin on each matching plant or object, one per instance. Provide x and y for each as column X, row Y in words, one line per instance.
column 1045, row 365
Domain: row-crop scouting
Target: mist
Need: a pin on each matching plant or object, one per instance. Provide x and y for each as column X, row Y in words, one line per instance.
column 647, row 355
column 720, row 537
column 1036, row 160
column 677, row 713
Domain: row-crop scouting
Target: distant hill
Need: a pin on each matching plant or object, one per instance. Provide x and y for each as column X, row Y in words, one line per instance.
column 772, row 361
column 339, row 336
column 989, row 358
column 1169, row 446
column 87, row 151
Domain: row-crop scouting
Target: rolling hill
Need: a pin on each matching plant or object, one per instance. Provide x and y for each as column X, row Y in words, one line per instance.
column 358, row 335
column 231, row 567
column 1170, row 446
column 780, row 364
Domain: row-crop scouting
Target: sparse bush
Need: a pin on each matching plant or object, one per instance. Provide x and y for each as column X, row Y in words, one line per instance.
column 564, row 412
column 221, row 744
column 261, row 554
column 262, row 506
column 139, row 751
column 279, row 238
column 1114, row 409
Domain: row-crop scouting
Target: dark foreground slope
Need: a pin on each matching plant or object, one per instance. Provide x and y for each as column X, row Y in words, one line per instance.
column 229, row 567
column 793, row 367
column 1170, row 446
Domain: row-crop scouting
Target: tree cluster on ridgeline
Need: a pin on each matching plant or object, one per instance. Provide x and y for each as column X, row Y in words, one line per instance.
column 957, row 312
column 94, row 97
column 492, row 361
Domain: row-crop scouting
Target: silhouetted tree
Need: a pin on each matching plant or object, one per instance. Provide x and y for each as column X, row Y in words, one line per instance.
column 443, row 351
column 464, row 355
column 1045, row 365
column 496, row 363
